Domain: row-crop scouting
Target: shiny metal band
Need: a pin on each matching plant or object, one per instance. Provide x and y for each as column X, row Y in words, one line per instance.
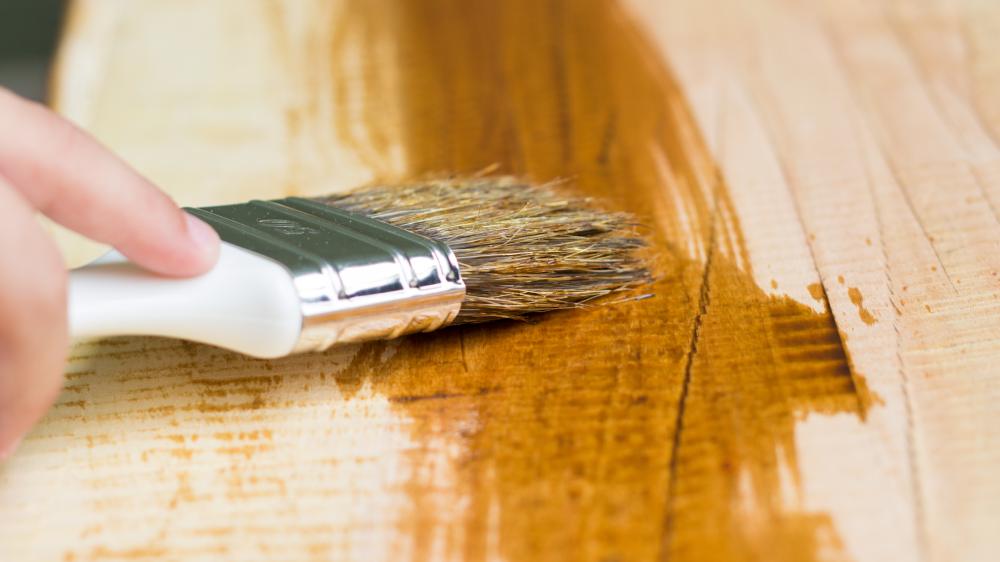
column 358, row 279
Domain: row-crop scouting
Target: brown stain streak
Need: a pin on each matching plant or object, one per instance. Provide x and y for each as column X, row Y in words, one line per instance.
column 409, row 399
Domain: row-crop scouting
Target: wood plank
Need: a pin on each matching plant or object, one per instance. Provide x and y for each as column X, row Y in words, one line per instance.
column 791, row 159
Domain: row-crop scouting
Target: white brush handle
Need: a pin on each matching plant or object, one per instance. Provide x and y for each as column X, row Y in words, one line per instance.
column 246, row 303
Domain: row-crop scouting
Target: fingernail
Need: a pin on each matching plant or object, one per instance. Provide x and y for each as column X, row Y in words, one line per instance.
column 9, row 450
column 202, row 234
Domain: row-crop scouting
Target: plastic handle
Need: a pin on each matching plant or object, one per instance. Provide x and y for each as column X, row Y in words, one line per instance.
column 246, row 303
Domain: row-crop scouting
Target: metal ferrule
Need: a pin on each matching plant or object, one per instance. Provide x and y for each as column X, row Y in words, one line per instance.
column 357, row 278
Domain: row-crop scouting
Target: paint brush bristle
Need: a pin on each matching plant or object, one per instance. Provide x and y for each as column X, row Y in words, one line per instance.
column 521, row 248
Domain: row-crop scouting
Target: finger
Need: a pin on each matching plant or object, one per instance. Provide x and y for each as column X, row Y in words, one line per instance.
column 70, row 177
column 33, row 332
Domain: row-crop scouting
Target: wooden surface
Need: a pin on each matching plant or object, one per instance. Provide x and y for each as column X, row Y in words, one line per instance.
column 817, row 378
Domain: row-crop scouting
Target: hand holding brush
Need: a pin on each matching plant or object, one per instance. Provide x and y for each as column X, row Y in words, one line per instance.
column 298, row 275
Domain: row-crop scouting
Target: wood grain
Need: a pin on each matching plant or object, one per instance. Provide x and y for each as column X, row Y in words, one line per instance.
column 814, row 379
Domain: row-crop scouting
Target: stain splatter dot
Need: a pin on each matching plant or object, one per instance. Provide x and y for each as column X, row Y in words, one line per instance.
column 866, row 316
column 816, row 291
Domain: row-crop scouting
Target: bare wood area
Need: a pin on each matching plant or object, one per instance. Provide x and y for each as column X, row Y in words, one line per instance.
column 817, row 378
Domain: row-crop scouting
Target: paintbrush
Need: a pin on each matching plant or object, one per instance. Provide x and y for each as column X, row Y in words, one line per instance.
column 301, row 274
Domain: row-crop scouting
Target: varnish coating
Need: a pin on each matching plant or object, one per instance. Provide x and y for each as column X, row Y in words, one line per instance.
column 789, row 159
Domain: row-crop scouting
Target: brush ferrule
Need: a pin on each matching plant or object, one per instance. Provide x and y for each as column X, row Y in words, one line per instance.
column 357, row 278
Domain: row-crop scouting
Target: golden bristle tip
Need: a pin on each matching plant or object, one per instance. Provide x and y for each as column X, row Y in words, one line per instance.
column 522, row 248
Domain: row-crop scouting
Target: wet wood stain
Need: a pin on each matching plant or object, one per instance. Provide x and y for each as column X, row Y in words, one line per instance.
column 670, row 435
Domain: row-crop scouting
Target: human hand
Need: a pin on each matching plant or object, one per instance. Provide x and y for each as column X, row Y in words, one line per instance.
column 49, row 166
